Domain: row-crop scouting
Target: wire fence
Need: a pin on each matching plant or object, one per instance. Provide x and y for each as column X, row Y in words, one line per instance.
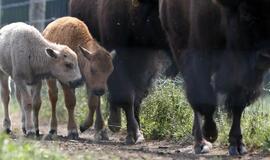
column 18, row 11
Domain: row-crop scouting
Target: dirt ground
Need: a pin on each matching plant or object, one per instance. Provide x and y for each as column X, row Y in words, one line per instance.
column 116, row 149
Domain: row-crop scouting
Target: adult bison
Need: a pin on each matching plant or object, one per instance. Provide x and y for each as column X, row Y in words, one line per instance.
column 133, row 29
column 222, row 47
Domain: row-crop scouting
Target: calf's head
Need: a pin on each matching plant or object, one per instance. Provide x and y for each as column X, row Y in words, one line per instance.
column 64, row 66
column 96, row 69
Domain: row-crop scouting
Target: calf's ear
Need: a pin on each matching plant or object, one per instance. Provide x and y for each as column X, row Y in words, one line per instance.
column 52, row 53
column 87, row 54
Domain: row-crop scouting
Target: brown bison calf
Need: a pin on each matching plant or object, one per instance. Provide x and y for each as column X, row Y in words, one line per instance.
column 95, row 64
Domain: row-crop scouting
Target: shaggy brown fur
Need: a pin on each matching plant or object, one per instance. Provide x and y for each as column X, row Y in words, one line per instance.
column 95, row 64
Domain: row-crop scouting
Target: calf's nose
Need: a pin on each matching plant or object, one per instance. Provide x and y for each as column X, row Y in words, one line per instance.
column 99, row 92
column 76, row 83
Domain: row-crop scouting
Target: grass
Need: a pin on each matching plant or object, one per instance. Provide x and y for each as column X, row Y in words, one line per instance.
column 25, row 149
column 167, row 115
column 17, row 149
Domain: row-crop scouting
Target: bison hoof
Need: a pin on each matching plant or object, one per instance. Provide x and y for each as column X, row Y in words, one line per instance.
column 37, row 133
column 83, row 128
column 8, row 131
column 101, row 135
column 130, row 140
column 73, row 135
column 139, row 138
column 53, row 131
column 114, row 128
column 203, row 147
column 30, row 134
column 51, row 136
column 24, row 130
column 237, row 150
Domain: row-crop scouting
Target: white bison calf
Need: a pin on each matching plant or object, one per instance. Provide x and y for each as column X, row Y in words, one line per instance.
column 27, row 58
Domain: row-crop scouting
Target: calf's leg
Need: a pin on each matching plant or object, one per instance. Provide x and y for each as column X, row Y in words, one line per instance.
column 18, row 97
column 26, row 106
column 101, row 132
column 53, row 96
column 5, row 101
column 70, row 102
column 93, row 102
column 36, row 101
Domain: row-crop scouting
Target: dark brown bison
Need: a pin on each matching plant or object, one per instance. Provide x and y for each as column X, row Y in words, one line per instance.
column 222, row 47
column 133, row 29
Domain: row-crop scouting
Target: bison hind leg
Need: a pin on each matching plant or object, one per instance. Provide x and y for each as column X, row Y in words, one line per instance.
column 235, row 103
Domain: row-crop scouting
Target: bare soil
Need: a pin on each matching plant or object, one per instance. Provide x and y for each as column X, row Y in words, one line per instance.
column 116, row 149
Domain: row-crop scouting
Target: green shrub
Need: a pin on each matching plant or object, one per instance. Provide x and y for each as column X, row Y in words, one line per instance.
column 165, row 112
column 254, row 123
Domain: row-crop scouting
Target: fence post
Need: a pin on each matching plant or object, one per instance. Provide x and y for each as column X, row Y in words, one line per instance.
column 1, row 12
column 37, row 13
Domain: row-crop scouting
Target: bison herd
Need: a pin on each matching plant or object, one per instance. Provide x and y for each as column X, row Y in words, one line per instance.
column 220, row 47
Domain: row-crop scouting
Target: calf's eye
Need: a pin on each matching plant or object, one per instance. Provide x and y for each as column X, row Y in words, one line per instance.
column 93, row 71
column 69, row 65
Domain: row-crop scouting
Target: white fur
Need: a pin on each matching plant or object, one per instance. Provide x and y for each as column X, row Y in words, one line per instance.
column 22, row 52
column 23, row 57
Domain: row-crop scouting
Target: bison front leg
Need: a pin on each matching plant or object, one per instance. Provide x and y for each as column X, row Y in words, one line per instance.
column 201, row 145
column 5, row 101
column 93, row 102
column 53, row 95
column 101, row 131
column 134, row 134
column 36, row 101
column 237, row 146
column 70, row 102
column 94, row 106
column 114, row 121
column 202, row 97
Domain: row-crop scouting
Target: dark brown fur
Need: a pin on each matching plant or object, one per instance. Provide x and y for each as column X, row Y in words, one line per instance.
column 221, row 48
column 135, row 32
